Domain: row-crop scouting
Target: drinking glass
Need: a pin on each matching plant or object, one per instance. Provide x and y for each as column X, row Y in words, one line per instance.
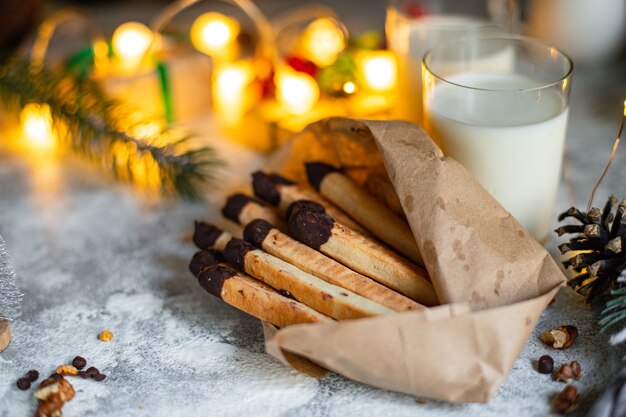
column 505, row 121
column 415, row 26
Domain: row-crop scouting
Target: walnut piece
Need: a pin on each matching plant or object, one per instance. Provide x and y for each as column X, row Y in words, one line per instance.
column 560, row 338
column 67, row 370
column 52, row 395
column 567, row 372
column 566, row 400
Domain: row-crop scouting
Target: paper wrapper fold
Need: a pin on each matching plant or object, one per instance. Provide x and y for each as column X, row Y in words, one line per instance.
column 493, row 278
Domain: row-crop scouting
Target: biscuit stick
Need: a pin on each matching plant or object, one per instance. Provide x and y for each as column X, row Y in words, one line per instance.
column 319, row 231
column 364, row 208
column 249, row 295
column 264, row 236
column 326, row 298
column 242, row 209
column 281, row 192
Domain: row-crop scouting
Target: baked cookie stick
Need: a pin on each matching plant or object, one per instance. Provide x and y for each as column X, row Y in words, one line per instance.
column 249, row 295
column 320, row 232
column 242, row 209
column 281, row 192
column 364, row 208
column 326, row 298
column 264, row 236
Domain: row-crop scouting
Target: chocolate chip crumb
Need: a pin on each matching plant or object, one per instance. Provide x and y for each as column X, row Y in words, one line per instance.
column 99, row 377
column 23, row 384
column 83, row 374
column 545, row 364
column 286, row 293
column 32, row 375
column 92, row 370
column 79, row 362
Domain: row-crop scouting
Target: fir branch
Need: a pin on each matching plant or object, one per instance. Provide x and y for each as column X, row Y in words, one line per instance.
column 615, row 310
column 97, row 126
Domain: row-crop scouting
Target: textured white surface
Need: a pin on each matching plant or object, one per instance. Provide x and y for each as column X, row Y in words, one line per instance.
column 91, row 255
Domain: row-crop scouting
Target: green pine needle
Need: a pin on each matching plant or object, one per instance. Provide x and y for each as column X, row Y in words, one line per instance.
column 615, row 310
column 97, row 126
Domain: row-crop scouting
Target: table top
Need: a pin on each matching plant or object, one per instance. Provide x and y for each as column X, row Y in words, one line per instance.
column 92, row 255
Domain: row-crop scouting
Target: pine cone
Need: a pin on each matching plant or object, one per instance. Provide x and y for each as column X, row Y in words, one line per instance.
column 600, row 235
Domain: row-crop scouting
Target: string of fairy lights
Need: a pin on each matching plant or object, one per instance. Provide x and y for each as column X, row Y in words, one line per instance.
column 320, row 68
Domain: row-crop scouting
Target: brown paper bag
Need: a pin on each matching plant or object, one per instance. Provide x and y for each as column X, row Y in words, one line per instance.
column 493, row 278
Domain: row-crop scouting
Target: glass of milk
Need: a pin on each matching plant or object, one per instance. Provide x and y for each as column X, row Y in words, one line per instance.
column 415, row 26
column 505, row 123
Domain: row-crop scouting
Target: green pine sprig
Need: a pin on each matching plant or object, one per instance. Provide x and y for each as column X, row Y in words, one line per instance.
column 615, row 310
column 97, row 126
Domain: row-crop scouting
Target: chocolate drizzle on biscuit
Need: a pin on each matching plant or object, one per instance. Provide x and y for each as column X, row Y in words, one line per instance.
column 317, row 171
column 256, row 231
column 235, row 252
column 212, row 279
column 202, row 260
column 310, row 227
column 205, row 235
column 266, row 186
column 304, row 204
column 235, row 204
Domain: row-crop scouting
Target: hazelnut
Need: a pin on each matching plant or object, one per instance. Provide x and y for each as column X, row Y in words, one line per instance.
column 560, row 338
column 545, row 364
column 566, row 400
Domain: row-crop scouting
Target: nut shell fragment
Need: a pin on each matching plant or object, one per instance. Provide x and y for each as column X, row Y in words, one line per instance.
column 567, row 372
column 561, row 337
column 105, row 336
column 567, row 400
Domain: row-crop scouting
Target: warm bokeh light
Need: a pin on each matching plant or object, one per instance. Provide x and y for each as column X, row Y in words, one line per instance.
column 379, row 70
column 323, row 41
column 297, row 92
column 215, row 34
column 624, row 108
column 349, row 87
column 36, row 125
column 130, row 42
column 230, row 84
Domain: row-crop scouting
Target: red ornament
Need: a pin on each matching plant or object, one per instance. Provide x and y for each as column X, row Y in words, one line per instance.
column 415, row 10
column 302, row 65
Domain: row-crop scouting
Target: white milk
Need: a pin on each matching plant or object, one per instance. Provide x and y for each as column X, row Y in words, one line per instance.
column 411, row 38
column 511, row 142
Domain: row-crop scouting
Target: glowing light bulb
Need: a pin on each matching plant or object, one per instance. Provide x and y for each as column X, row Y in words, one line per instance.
column 230, row 89
column 379, row 70
column 297, row 92
column 36, row 125
column 349, row 87
column 130, row 42
column 215, row 34
column 323, row 41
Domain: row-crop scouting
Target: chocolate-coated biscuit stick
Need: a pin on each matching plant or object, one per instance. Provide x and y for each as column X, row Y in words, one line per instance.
column 264, row 236
column 319, row 231
column 281, row 192
column 249, row 295
column 242, row 209
column 328, row 299
column 364, row 208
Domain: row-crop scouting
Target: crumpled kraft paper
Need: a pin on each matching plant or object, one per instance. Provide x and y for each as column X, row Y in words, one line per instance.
column 491, row 276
